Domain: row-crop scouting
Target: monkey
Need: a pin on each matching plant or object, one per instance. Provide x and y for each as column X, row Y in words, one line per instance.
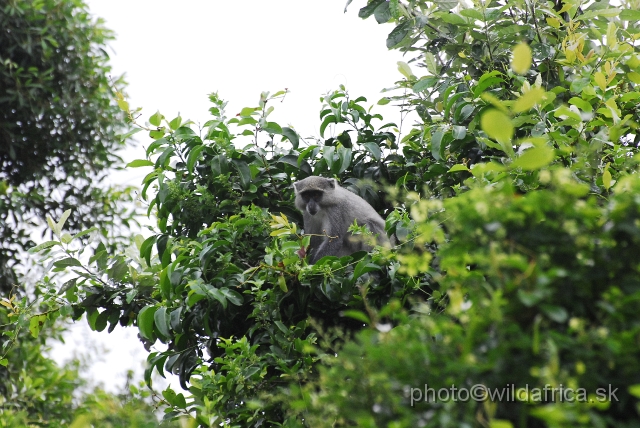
column 328, row 210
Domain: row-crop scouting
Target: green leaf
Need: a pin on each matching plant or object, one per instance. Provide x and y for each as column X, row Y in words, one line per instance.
column 146, row 320
column 327, row 154
column 497, row 125
column 521, row 61
column 175, row 123
column 63, row 220
column 534, row 158
column 425, row 83
column 600, row 80
column 606, row 178
column 472, row 13
column 394, row 8
column 590, row 14
column 430, row 61
column 139, row 162
column 194, row 155
column 245, row 172
column 382, row 13
column 453, row 18
column 630, row 15
column 498, row 423
column 459, row 132
column 446, row 4
column 233, row 296
column 344, row 155
column 282, row 283
column 374, row 149
column 356, row 315
column 146, row 248
column 634, row 77
column 36, row 323
column 162, row 322
column 458, row 167
column 368, row 10
column 292, row 136
column 565, row 112
column 384, row 101
column 85, row 232
column 437, row 151
column 398, row 34
column 124, row 106
column 529, row 99
column 118, row 270
column 43, row 246
column 581, row 104
column 69, row 261
column 4, row 362
column 327, row 120
column 634, row 390
column 283, row 328
column 405, row 70
column 272, row 128
column 156, row 119
column 556, row 313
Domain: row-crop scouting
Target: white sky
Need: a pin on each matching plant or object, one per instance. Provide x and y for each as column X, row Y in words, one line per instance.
column 175, row 53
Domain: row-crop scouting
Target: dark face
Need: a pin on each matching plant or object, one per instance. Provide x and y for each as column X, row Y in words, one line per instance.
column 312, row 200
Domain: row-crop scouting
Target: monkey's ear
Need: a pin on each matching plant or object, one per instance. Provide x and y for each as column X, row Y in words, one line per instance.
column 295, row 186
column 332, row 182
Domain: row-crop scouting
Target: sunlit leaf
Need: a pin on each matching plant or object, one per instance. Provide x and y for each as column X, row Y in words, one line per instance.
column 405, row 70
column 606, row 178
column 529, row 99
column 497, row 125
column 139, row 162
column 156, row 119
column 36, row 323
column 430, row 61
column 68, row 261
column 458, row 167
column 534, row 158
column 521, row 61
column 600, row 80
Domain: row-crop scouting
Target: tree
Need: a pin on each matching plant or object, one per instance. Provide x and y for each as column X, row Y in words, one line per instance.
column 513, row 199
column 58, row 139
column 58, row 122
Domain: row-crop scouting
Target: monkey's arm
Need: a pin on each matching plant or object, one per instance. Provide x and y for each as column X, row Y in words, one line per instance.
column 330, row 246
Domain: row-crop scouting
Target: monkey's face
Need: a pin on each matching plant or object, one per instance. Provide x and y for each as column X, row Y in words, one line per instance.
column 312, row 199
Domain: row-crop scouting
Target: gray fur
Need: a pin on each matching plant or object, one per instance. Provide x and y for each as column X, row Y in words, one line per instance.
column 328, row 210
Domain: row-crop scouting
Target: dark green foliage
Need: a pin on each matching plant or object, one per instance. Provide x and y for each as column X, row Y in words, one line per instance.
column 58, row 121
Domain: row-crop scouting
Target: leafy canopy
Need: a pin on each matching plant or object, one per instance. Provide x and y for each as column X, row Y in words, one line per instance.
column 512, row 198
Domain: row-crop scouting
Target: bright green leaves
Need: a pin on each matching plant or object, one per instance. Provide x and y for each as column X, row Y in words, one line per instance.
column 156, row 119
column 56, row 227
column 498, row 126
column 534, row 158
column 36, row 323
column 521, row 60
column 122, row 103
column 606, row 178
column 528, row 100
column 137, row 163
column 405, row 70
column 600, row 80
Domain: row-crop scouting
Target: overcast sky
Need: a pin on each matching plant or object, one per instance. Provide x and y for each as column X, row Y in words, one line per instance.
column 174, row 54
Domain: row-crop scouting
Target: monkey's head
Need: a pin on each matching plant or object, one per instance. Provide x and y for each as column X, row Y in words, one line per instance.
column 312, row 192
